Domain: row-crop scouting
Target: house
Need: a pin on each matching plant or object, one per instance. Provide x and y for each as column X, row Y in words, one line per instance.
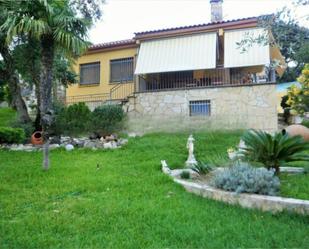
column 195, row 76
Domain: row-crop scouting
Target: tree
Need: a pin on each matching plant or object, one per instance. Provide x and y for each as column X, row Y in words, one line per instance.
column 9, row 76
column 298, row 97
column 30, row 72
column 54, row 24
column 292, row 39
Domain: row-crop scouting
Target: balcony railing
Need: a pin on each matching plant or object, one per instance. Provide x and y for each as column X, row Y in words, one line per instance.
column 213, row 78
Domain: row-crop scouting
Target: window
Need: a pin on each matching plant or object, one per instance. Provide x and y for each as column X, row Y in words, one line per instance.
column 90, row 73
column 199, row 108
column 121, row 70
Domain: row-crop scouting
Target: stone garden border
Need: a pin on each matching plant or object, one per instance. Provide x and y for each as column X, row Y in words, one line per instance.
column 262, row 202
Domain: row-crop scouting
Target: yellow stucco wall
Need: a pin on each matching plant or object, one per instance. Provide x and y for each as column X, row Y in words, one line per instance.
column 104, row 59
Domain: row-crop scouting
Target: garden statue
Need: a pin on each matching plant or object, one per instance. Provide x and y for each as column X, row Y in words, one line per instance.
column 191, row 161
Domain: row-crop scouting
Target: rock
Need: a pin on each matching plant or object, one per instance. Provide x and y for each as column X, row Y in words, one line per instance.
column 29, row 148
column 177, row 172
column 79, row 142
column 89, row 144
column 53, row 146
column 94, row 136
column 55, row 140
column 69, row 147
column 65, row 140
column 99, row 144
column 110, row 145
column 17, row 147
column 110, row 138
column 122, row 141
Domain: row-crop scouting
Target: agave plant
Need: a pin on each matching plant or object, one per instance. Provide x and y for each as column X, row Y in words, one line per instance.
column 274, row 150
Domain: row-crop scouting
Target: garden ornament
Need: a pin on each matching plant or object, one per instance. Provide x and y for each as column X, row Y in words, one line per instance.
column 191, row 161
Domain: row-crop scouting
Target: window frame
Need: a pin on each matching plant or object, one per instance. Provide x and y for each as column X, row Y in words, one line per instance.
column 125, row 80
column 90, row 83
column 199, row 103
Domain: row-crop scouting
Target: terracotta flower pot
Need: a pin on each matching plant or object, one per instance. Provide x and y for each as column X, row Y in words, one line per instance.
column 37, row 138
column 298, row 130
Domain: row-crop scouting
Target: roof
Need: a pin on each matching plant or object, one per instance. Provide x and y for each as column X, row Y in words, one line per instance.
column 248, row 19
column 183, row 29
column 113, row 44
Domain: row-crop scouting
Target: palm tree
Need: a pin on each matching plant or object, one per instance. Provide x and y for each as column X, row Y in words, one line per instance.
column 54, row 24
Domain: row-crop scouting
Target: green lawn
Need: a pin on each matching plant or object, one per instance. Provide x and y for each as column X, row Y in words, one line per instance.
column 128, row 202
column 7, row 115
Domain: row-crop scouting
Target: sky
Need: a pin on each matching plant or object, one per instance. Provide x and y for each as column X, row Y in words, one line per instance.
column 121, row 18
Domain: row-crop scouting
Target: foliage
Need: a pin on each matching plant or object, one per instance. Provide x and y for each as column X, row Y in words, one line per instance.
column 107, row 119
column 71, row 120
column 298, row 97
column 305, row 122
column 7, row 116
column 274, row 150
column 185, row 175
column 129, row 197
column 202, row 168
column 11, row 135
column 292, row 39
column 243, row 178
column 285, row 107
column 55, row 25
column 27, row 127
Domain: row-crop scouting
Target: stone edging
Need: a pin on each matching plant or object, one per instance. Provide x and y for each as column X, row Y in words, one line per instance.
column 262, row 202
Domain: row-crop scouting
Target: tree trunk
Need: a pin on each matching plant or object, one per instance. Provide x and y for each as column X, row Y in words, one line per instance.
column 47, row 46
column 14, row 87
column 37, row 121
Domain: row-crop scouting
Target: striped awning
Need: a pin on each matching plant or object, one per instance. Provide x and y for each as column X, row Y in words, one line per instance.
column 252, row 53
column 177, row 54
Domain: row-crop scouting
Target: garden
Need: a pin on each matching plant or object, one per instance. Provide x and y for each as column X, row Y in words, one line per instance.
column 120, row 198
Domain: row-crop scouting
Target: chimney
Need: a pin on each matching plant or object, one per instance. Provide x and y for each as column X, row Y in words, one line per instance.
column 216, row 10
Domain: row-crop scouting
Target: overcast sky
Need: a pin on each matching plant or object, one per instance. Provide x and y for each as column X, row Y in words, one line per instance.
column 121, row 18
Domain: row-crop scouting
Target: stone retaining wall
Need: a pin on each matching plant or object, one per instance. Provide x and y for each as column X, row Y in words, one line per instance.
column 262, row 202
column 231, row 107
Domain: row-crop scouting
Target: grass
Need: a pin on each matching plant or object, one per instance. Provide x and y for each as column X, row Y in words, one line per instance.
column 294, row 185
column 120, row 199
column 7, row 115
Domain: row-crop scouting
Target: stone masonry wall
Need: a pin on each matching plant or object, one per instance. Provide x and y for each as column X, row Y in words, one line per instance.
column 231, row 108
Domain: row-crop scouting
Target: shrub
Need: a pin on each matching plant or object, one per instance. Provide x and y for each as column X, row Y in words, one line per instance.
column 202, row 168
column 243, row 178
column 77, row 119
column 107, row 119
column 305, row 123
column 275, row 150
column 11, row 135
column 185, row 175
column 71, row 120
column 27, row 127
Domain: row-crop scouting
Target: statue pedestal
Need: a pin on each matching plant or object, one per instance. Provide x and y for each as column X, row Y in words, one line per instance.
column 191, row 162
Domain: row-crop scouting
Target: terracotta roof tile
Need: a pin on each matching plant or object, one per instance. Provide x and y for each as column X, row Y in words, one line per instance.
column 194, row 26
column 112, row 44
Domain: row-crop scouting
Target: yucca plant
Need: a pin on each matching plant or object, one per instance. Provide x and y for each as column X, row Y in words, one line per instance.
column 274, row 150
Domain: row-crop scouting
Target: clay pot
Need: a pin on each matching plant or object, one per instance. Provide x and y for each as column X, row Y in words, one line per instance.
column 37, row 138
column 297, row 130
